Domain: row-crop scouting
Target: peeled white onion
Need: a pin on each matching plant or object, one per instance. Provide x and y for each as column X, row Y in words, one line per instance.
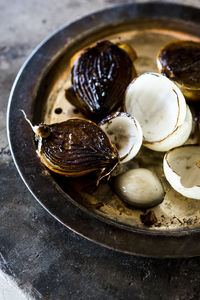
column 140, row 187
column 160, row 108
column 125, row 133
column 182, row 170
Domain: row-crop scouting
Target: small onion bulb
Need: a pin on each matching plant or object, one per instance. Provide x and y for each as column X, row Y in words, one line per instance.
column 140, row 188
column 125, row 133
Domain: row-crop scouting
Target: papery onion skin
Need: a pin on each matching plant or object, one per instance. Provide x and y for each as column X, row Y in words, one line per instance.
column 180, row 61
column 99, row 79
column 77, row 147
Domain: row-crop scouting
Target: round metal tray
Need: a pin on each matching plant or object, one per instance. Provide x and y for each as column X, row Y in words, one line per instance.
column 39, row 89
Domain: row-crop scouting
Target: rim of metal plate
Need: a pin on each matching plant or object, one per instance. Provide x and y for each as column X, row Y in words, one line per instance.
column 183, row 243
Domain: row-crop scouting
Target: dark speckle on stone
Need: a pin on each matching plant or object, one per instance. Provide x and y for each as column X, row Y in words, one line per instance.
column 5, row 151
column 14, row 52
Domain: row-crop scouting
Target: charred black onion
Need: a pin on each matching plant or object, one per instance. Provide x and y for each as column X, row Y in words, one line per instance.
column 99, row 78
column 77, row 147
column 180, row 61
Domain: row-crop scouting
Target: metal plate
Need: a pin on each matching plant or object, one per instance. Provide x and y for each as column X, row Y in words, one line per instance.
column 100, row 215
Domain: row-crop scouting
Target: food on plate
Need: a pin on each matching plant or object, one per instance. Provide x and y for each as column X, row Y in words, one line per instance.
column 156, row 114
column 160, row 108
column 180, row 61
column 182, row 170
column 99, row 78
column 125, row 133
column 140, row 188
column 75, row 147
column 148, row 218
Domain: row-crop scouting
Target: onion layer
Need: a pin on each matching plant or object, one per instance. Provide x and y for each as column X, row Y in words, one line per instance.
column 182, row 170
column 160, row 108
column 125, row 133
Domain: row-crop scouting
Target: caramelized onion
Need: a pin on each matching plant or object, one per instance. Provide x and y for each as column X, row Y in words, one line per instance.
column 99, row 78
column 180, row 61
column 77, row 147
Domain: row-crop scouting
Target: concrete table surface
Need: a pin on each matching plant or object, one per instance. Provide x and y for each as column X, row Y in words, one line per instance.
column 40, row 258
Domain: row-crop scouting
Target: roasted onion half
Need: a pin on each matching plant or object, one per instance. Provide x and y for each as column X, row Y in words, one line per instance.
column 180, row 61
column 76, row 147
column 160, row 108
column 182, row 170
column 99, row 78
column 125, row 133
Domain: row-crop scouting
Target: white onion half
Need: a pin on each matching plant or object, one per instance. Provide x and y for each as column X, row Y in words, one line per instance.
column 158, row 105
column 177, row 138
column 182, row 170
column 125, row 133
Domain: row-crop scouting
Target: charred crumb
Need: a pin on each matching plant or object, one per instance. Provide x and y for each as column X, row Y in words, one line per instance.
column 178, row 220
column 190, row 221
column 149, row 218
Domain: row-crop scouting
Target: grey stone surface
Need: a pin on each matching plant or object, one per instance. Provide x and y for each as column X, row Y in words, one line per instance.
column 44, row 258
